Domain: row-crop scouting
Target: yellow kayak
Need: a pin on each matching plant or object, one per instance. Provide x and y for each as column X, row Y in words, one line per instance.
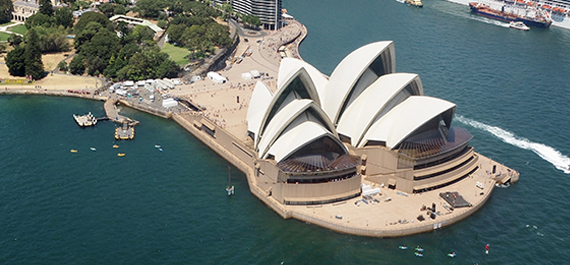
column 115, row 146
column 121, row 154
column 73, row 151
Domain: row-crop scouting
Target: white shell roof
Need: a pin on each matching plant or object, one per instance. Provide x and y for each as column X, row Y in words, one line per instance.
column 310, row 88
column 260, row 99
column 404, row 119
column 291, row 115
column 299, row 137
column 347, row 72
column 291, row 65
column 360, row 115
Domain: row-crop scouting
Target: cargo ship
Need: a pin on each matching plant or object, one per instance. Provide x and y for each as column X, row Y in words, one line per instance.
column 533, row 17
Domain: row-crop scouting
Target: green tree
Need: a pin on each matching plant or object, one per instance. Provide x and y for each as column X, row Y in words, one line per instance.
column 6, row 8
column 77, row 66
column 15, row 61
column 92, row 17
column 33, row 55
column 108, row 9
column 2, row 48
column 120, row 9
column 64, row 17
column 15, row 40
column 39, row 19
column 46, row 7
column 62, row 66
column 150, row 8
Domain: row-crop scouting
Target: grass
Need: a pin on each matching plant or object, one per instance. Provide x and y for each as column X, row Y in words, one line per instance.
column 4, row 36
column 21, row 29
column 6, row 24
column 176, row 54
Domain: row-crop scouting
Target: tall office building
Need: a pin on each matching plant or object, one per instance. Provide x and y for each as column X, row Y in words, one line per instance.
column 268, row 11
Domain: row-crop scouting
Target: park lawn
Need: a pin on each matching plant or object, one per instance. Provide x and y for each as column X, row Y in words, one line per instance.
column 21, row 29
column 176, row 54
column 6, row 24
column 4, row 36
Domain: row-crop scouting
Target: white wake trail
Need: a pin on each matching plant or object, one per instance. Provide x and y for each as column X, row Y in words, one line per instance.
column 545, row 152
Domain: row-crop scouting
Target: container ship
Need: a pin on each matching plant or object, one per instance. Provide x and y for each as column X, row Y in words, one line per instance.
column 533, row 17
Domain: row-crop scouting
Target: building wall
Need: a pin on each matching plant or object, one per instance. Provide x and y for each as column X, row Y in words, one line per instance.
column 268, row 11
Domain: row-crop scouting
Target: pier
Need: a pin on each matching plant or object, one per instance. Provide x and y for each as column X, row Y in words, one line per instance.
column 113, row 113
column 85, row 120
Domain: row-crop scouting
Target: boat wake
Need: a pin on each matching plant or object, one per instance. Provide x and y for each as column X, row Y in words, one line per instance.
column 545, row 152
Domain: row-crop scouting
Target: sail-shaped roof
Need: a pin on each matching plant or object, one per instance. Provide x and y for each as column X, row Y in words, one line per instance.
column 385, row 93
column 404, row 119
column 260, row 99
column 354, row 73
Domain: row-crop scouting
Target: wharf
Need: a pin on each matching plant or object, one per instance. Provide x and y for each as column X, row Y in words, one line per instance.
column 113, row 113
column 85, row 120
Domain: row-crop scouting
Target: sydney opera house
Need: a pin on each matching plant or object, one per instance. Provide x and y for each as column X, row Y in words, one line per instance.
column 315, row 136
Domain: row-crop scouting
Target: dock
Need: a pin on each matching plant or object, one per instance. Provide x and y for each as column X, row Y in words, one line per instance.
column 125, row 132
column 113, row 113
column 85, row 120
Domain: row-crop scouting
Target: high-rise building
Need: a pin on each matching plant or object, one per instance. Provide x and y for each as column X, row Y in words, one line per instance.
column 268, row 11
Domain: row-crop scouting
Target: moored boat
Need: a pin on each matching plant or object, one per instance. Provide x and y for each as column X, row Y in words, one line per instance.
column 529, row 16
column 417, row 3
column 518, row 25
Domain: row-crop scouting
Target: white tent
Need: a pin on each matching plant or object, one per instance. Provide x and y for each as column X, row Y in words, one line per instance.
column 255, row 73
column 169, row 102
column 246, row 76
column 216, row 77
column 128, row 83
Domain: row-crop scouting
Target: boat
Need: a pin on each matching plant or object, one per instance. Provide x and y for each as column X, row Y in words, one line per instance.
column 518, row 25
column 419, row 254
column 230, row 188
column 416, row 3
column 93, row 149
column 419, row 249
column 530, row 16
column 403, row 247
column 452, row 254
column 115, row 146
column 157, row 146
column 73, row 151
column 121, row 154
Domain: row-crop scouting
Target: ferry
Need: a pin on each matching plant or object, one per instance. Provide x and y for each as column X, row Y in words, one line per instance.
column 417, row 3
column 530, row 16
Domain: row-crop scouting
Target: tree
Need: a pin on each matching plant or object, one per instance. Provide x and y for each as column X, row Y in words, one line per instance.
column 92, row 17
column 15, row 40
column 77, row 66
column 120, row 9
column 39, row 19
column 149, row 8
column 2, row 48
column 15, row 61
column 64, row 17
column 251, row 20
column 33, row 55
column 6, row 8
column 62, row 66
column 46, row 8
column 108, row 9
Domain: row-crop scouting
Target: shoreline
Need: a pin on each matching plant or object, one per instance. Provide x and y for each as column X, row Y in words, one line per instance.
column 383, row 219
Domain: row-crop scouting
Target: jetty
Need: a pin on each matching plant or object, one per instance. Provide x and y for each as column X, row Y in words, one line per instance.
column 85, row 120
column 113, row 113
column 125, row 132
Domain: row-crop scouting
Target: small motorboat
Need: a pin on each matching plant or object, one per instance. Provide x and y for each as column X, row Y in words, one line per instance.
column 452, row 254
column 93, row 149
column 419, row 254
column 519, row 25
column 403, row 247
column 416, row 3
column 121, row 154
column 156, row 146
column 419, row 249
column 73, row 151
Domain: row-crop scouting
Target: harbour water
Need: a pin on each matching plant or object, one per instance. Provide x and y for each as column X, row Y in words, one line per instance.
column 171, row 207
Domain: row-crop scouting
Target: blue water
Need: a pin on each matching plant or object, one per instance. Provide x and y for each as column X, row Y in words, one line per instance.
column 150, row 207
